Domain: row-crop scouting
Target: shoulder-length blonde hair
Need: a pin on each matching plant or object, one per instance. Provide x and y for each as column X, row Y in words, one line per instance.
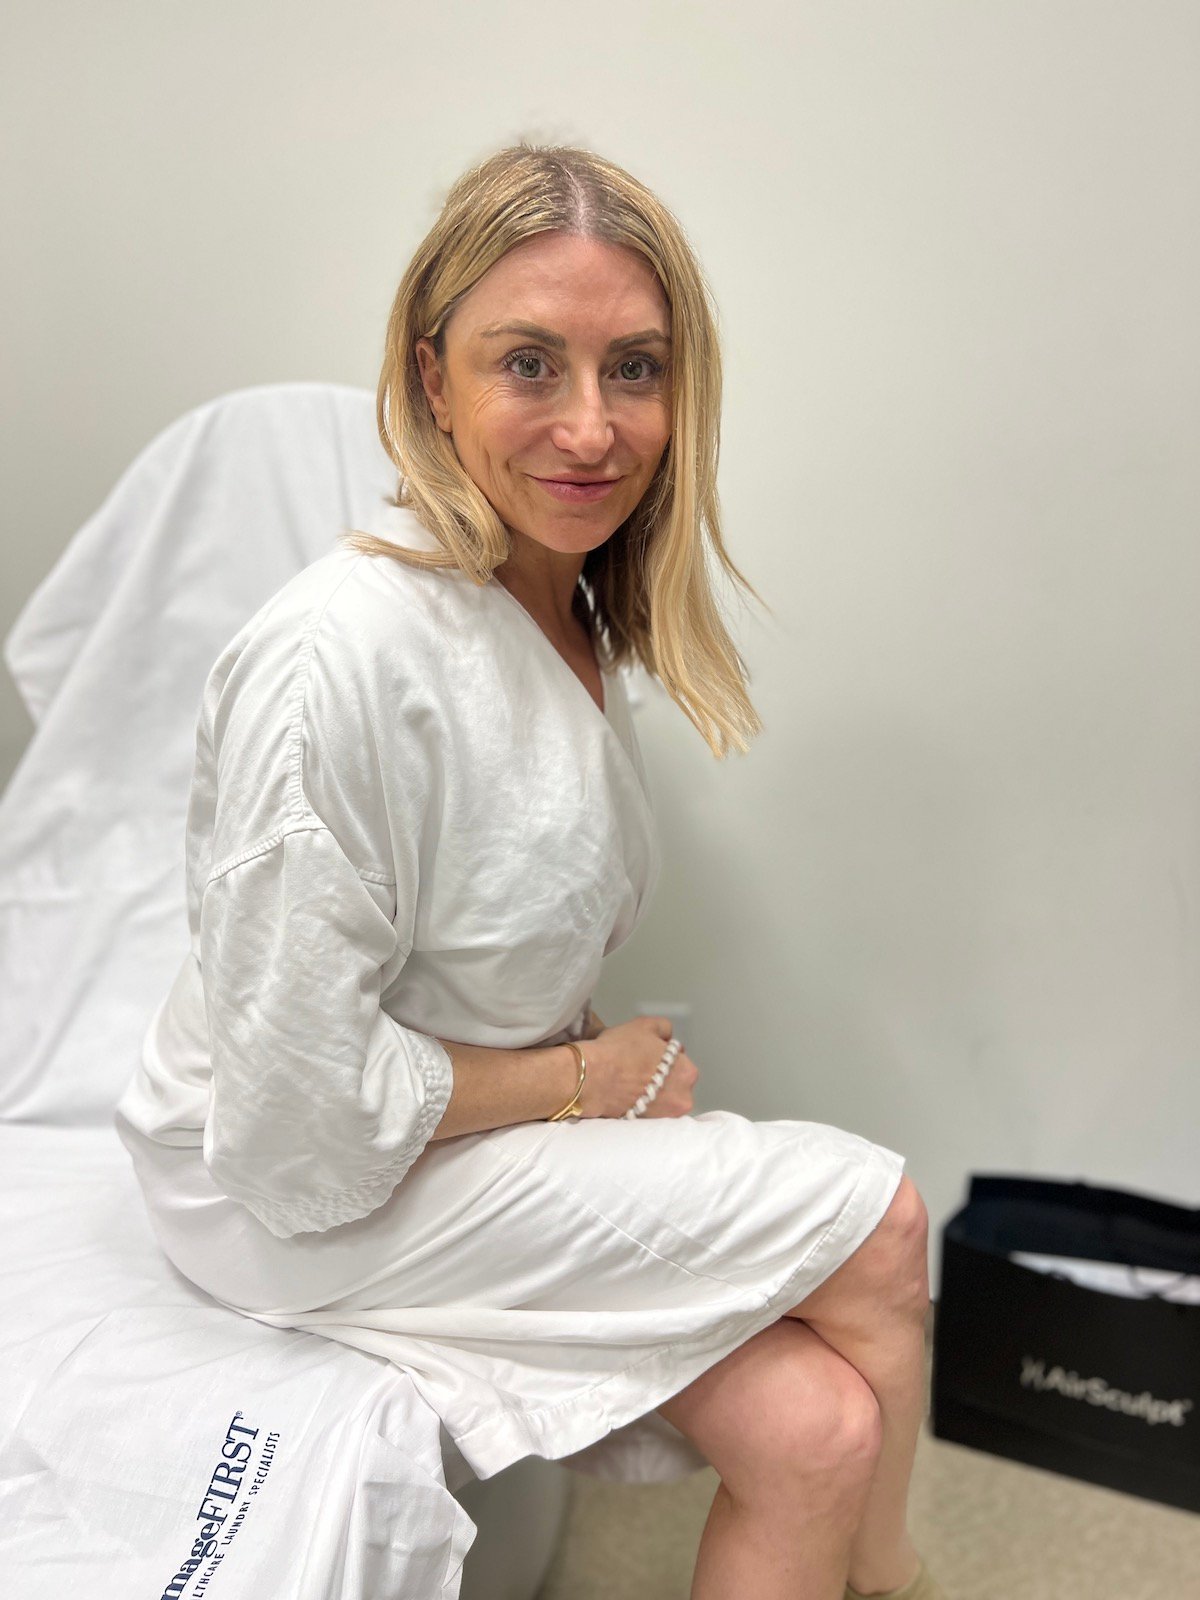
column 646, row 593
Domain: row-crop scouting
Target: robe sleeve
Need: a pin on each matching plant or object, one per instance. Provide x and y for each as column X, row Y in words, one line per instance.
column 320, row 1100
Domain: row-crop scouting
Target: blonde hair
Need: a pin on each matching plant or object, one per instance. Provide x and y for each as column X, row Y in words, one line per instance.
column 646, row 593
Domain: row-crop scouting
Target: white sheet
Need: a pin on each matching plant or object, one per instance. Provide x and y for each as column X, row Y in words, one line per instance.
column 135, row 1412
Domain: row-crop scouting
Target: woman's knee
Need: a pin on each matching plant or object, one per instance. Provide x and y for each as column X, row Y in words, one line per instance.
column 844, row 1429
column 910, row 1208
column 910, row 1219
column 889, row 1269
column 782, row 1409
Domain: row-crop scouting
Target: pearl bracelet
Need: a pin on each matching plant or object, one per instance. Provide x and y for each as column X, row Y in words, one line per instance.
column 674, row 1046
column 572, row 1111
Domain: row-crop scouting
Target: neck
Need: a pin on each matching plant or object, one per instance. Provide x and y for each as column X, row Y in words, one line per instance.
column 544, row 581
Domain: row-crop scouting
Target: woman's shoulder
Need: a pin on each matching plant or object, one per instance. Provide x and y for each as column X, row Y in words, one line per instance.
column 356, row 611
column 307, row 706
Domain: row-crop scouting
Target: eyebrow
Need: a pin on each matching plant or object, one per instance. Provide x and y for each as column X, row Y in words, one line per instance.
column 530, row 330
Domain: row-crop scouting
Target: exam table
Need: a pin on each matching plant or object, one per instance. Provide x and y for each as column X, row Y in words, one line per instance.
column 152, row 1441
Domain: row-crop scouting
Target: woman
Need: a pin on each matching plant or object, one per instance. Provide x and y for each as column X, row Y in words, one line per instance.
column 419, row 820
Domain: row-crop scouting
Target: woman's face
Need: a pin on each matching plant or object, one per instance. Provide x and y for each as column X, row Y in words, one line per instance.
column 580, row 390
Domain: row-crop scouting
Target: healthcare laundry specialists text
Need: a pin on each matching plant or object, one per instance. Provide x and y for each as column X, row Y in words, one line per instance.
column 225, row 1486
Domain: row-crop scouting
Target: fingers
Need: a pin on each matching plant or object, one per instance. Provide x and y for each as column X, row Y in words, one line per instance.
column 685, row 1060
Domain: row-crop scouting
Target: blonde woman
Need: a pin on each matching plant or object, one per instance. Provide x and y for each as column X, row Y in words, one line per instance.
column 376, row 1103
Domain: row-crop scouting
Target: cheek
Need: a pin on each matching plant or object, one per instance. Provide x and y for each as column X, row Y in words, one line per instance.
column 652, row 433
column 500, row 426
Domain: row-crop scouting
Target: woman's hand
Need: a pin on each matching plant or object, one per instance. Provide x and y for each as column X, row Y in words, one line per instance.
column 621, row 1062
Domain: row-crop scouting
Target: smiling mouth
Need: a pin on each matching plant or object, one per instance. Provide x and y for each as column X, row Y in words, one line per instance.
column 571, row 491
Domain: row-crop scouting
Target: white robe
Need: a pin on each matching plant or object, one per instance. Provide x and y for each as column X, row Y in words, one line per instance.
column 409, row 818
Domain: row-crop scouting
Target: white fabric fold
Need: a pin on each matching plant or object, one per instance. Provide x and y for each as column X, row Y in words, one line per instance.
column 321, row 1101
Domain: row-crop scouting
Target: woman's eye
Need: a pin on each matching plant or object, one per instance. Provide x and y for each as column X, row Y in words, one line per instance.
column 653, row 368
column 521, row 357
column 519, row 362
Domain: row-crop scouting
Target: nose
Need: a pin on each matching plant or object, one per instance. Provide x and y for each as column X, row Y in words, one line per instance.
column 582, row 428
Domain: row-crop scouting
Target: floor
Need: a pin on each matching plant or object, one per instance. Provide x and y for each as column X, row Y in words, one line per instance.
column 988, row 1529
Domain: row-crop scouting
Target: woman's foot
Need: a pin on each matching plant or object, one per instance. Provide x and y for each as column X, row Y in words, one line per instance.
column 921, row 1587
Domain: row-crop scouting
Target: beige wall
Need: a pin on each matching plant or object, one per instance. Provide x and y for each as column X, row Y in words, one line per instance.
column 952, row 898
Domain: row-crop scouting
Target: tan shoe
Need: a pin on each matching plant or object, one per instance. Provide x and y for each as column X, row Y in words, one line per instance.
column 922, row 1587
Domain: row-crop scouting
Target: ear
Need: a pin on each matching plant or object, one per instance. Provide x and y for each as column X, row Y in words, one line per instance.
column 433, row 382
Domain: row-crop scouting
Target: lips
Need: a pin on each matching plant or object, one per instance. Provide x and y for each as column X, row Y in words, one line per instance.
column 573, row 489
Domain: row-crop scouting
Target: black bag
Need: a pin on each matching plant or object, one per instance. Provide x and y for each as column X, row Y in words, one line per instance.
column 1031, row 1365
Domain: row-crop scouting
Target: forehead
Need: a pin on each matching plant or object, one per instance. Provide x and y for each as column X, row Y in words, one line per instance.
column 567, row 282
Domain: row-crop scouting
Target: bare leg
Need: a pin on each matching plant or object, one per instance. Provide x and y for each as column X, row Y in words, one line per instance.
column 872, row 1312
column 747, row 1550
column 795, row 1434
column 882, row 1554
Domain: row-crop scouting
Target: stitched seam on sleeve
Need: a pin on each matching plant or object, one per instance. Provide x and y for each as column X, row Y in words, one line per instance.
column 262, row 847
column 307, row 824
column 376, row 875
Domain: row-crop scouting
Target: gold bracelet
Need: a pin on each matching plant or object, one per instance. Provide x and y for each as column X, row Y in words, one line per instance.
column 572, row 1109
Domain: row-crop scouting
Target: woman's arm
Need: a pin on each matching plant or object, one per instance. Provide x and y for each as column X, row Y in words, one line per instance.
column 493, row 1088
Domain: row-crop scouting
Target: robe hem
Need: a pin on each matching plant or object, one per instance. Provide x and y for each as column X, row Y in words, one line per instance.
column 571, row 1425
